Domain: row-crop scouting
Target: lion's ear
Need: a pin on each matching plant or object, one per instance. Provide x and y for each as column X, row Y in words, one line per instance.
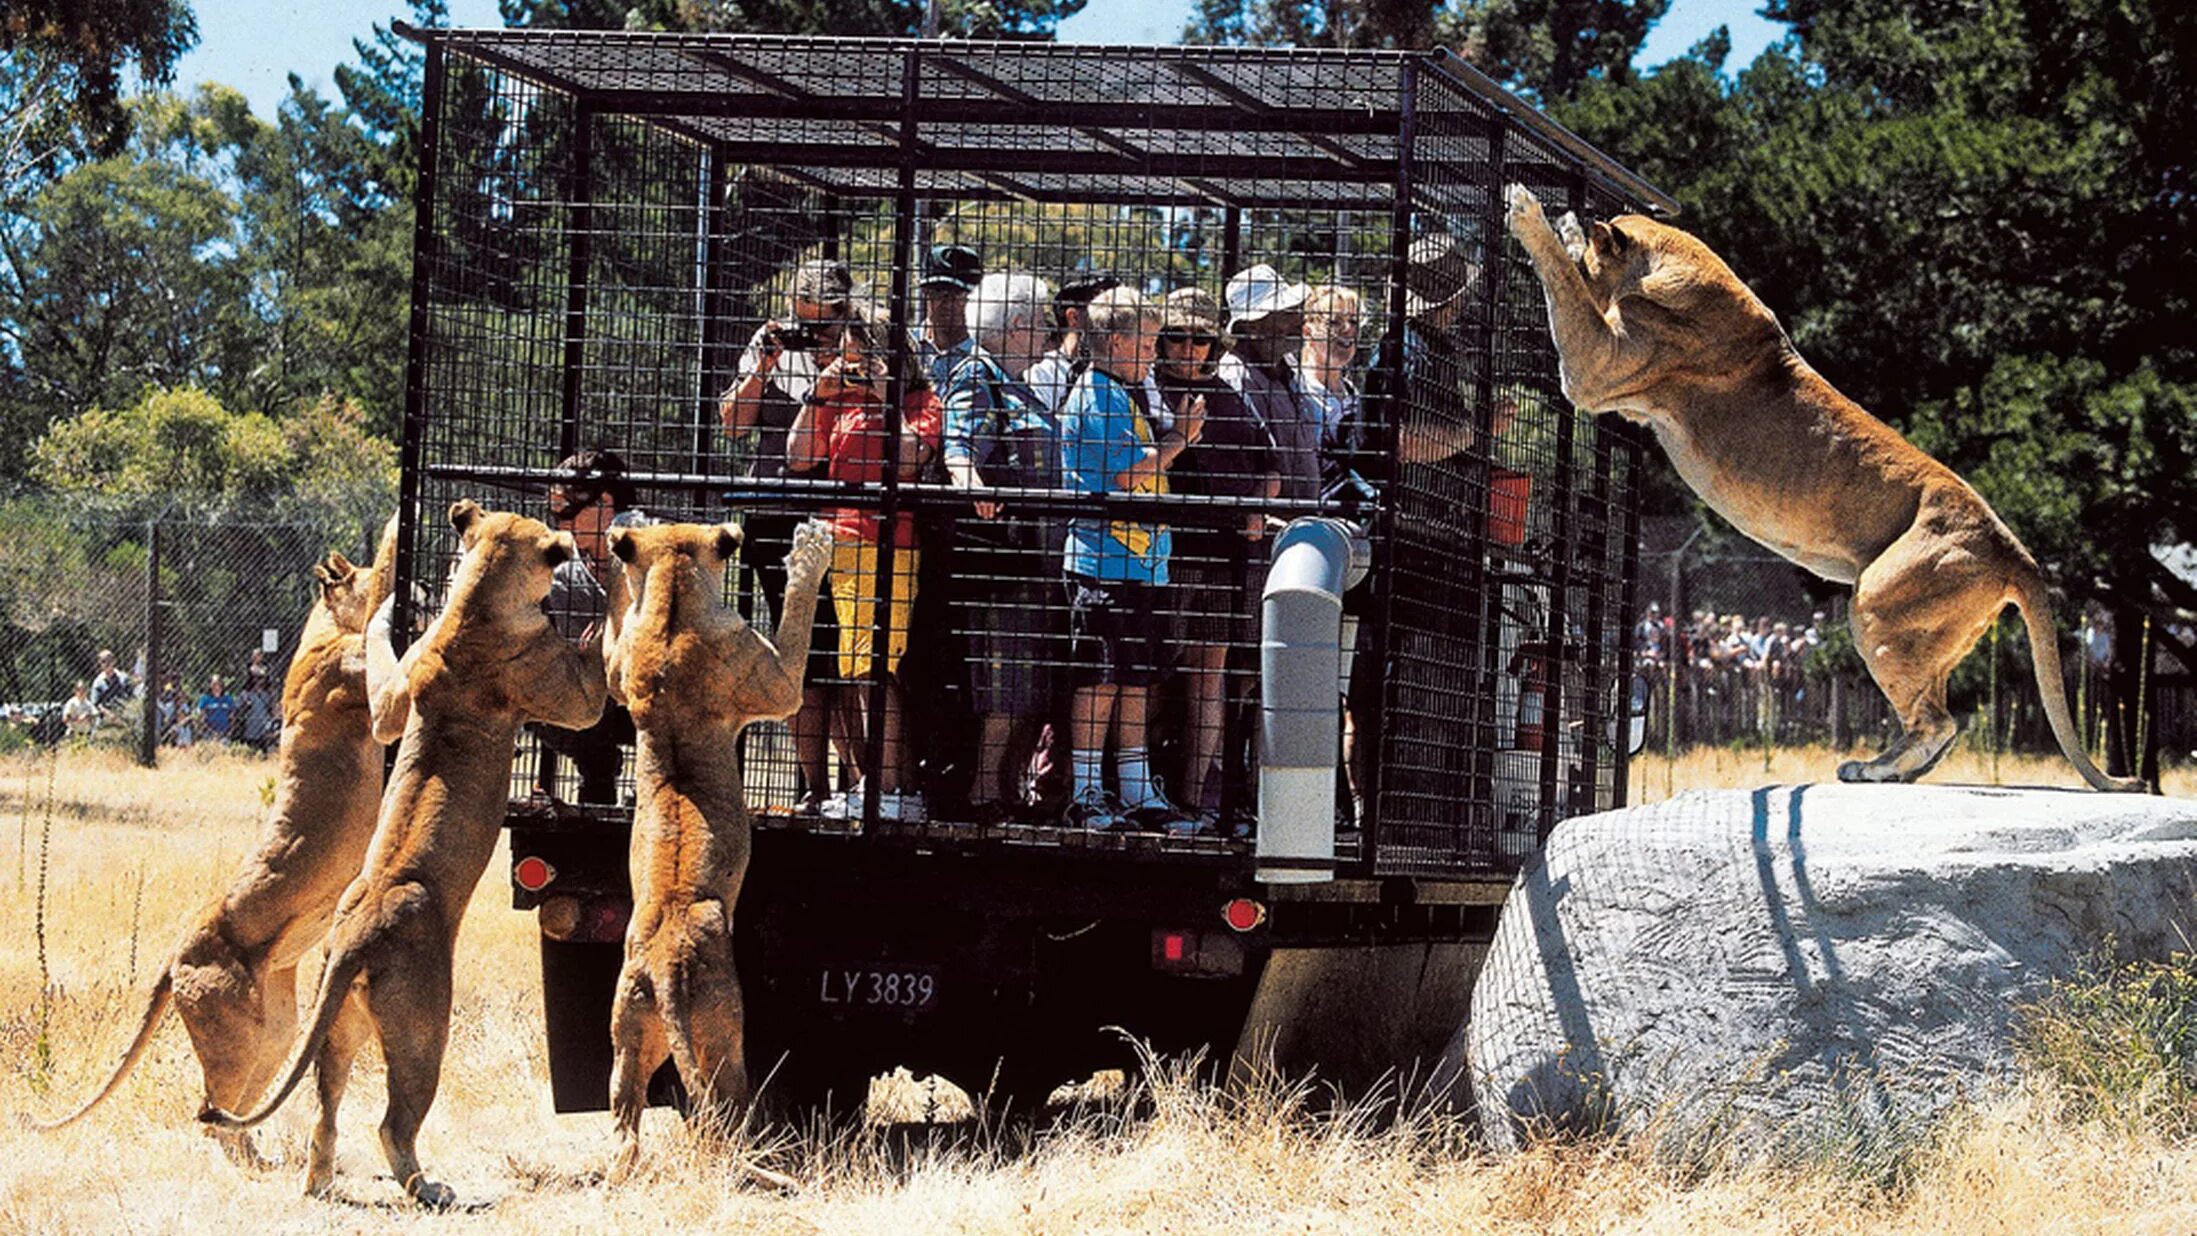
column 558, row 549
column 728, row 541
column 464, row 513
column 622, row 544
column 1612, row 239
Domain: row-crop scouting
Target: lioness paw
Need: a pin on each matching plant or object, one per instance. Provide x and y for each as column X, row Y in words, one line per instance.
column 1525, row 208
column 1573, row 235
column 811, row 552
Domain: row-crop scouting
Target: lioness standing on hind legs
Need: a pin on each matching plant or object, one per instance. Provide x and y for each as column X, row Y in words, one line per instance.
column 489, row 662
column 694, row 675
column 233, row 980
column 1653, row 326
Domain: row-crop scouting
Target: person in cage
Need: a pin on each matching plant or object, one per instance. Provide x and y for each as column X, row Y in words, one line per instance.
column 1327, row 364
column 596, row 499
column 950, row 274
column 1266, row 321
column 1433, row 424
column 1116, row 569
column 840, row 430
column 1055, row 373
column 1000, row 432
column 1212, row 568
column 777, row 372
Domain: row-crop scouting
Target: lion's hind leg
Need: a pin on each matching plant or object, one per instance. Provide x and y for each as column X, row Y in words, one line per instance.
column 1918, row 609
column 638, row 1049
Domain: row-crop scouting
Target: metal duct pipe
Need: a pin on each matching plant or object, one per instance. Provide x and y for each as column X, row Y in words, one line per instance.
column 1316, row 560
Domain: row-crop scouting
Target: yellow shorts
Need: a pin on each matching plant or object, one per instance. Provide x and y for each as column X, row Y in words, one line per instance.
column 855, row 584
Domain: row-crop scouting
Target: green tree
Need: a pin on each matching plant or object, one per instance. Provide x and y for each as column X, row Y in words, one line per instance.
column 1977, row 220
column 1546, row 48
column 61, row 71
column 180, row 445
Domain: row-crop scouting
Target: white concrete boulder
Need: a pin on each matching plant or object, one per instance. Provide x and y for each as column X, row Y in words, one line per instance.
column 1768, row 964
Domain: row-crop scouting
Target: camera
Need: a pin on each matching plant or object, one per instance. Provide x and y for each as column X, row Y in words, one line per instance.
column 800, row 337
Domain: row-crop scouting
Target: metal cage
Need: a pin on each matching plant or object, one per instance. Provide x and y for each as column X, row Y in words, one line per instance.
column 605, row 221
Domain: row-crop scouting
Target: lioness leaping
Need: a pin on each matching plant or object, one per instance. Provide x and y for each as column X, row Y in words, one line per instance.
column 1653, row 326
column 489, row 662
column 233, row 980
column 694, row 675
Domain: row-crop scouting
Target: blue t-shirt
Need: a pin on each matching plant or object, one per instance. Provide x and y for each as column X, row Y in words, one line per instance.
column 214, row 710
column 1104, row 432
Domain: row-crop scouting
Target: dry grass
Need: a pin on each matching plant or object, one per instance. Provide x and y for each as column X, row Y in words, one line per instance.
column 1170, row 1156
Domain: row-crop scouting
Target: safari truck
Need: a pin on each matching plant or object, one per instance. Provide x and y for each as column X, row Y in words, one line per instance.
column 611, row 235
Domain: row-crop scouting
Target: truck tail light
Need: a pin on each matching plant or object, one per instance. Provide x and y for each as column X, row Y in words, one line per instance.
column 1199, row 954
column 1243, row 914
column 532, row 873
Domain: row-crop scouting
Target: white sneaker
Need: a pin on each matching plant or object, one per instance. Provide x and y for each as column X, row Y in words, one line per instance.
column 846, row 804
column 904, row 808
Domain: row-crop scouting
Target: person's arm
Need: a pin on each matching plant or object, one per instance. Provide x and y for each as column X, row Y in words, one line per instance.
column 919, row 432
column 808, row 440
column 1150, row 461
column 742, row 402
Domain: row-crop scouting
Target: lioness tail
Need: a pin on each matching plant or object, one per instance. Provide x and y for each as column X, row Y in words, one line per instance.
column 156, row 1005
column 2044, row 653
column 335, row 988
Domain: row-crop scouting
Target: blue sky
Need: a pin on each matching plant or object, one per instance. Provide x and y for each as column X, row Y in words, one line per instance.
column 254, row 44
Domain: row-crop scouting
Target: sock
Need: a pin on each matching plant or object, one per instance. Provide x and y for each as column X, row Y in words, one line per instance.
column 1137, row 789
column 1088, row 772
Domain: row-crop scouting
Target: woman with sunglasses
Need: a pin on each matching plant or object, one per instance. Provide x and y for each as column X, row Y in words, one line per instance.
column 1211, row 570
column 597, row 498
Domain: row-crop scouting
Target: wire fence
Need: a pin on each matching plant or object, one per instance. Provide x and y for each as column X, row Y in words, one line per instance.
column 156, row 625
column 1744, row 649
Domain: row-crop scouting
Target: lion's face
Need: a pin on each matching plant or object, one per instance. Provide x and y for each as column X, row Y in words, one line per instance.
column 1617, row 257
column 514, row 557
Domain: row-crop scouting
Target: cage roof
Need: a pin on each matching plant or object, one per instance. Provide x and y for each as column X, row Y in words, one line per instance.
column 1051, row 121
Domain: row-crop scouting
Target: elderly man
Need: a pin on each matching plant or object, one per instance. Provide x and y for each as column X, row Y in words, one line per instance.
column 1001, row 433
column 1266, row 317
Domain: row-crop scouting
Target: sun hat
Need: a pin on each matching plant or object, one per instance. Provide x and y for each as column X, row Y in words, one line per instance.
column 823, row 281
column 1257, row 291
column 1191, row 311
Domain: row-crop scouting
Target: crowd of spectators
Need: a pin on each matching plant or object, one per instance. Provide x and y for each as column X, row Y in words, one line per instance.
column 1714, row 645
column 249, row 715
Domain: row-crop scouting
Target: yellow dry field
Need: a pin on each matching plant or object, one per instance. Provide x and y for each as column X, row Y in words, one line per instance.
column 129, row 854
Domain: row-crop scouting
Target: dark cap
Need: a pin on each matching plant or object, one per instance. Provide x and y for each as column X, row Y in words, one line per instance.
column 1438, row 271
column 952, row 266
column 1077, row 291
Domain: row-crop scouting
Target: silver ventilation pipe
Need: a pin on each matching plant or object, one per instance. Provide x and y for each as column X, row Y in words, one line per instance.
column 1316, row 560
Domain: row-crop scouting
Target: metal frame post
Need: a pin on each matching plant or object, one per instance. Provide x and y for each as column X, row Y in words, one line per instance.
column 1489, row 585
column 716, row 356
column 1373, row 728
column 579, row 244
column 1560, row 550
column 1628, row 602
column 148, row 742
column 424, row 255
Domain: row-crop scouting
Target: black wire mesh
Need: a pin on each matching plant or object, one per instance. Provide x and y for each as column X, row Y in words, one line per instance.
column 752, row 268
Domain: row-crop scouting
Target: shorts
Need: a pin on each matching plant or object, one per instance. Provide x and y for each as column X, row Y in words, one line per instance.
column 855, row 583
column 1214, row 596
column 1119, row 631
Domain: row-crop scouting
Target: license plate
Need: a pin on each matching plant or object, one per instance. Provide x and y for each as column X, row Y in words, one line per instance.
column 879, row 987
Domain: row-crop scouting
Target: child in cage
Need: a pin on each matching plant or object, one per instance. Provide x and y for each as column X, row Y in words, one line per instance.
column 1116, row 568
column 841, row 428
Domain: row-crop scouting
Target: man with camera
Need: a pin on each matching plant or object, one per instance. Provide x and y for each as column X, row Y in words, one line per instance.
column 777, row 375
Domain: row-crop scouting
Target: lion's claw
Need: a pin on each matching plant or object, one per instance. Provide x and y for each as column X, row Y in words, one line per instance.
column 1524, row 207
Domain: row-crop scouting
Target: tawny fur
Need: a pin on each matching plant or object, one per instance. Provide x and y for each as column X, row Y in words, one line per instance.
column 1652, row 325
column 233, row 980
column 694, row 675
column 487, row 664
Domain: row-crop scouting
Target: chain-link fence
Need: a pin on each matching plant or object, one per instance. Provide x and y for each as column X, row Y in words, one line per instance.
column 1738, row 647
column 156, row 626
